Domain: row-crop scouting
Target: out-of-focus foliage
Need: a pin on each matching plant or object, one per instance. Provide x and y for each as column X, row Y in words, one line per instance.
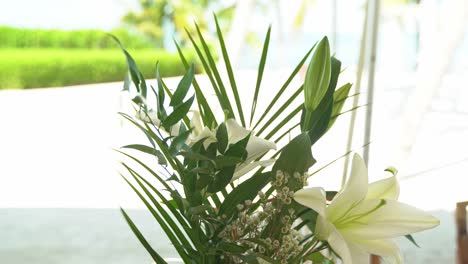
column 33, row 68
column 11, row 37
column 162, row 19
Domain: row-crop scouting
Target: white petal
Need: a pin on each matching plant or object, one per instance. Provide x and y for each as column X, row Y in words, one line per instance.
column 384, row 189
column 339, row 245
column 257, row 147
column 313, row 198
column 244, row 168
column 206, row 134
column 353, row 192
column 195, row 123
column 384, row 248
column 175, row 129
column 235, row 131
column 149, row 116
column 390, row 220
column 358, row 254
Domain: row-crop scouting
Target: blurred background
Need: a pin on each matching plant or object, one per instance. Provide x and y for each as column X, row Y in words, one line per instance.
column 60, row 90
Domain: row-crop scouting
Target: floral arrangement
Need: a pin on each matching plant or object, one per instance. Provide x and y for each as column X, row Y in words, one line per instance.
column 228, row 189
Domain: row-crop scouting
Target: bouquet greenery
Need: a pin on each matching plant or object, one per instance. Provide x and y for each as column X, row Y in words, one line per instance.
column 223, row 193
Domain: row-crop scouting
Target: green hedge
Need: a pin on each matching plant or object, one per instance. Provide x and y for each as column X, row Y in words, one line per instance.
column 34, row 68
column 11, row 37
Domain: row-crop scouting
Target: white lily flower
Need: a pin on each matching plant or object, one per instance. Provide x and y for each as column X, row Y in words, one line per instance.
column 255, row 146
column 150, row 116
column 362, row 218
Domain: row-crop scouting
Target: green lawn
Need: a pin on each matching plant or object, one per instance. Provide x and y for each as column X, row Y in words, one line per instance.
column 34, row 68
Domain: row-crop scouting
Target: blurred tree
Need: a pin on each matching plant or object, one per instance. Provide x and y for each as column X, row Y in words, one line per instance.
column 163, row 19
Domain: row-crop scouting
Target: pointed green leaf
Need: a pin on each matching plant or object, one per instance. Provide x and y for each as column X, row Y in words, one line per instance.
column 149, row 150
column 230, row 73
column 183, row 87
column 226, row 161
column 179, row 113
column 283, row 88
column 156, row 257
column 412, row 240
column 339, row 98
column 318, row 258
column 204, row 108
column 296, row 156
column 160, row 95
column 178, row 142
column 212, row 64
column 261, row 68
column 221, row 179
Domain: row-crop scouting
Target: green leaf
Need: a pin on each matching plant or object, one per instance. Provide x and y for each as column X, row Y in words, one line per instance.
column 231, row 248
column 221, row 179
column 283, row 88
column 222, row 137
column 183, row 87
column 412, row 240
column 226, row 161
column 318, row 258
column 247, row 190
column 209, row 67
column 178, row 142
column 193, row 155
column 127, row 81
column 308, row 216
column 230, row 73
column 339, row 98
column 296, row 156
column 156, row 257
column 214, row 69
column 160, row 95
column 132, row 67
column 261, row 68
column 148, row 150
column 165, row 221
column 179, row 112
column 278, row 112
column 239, row 148
column 204, row 108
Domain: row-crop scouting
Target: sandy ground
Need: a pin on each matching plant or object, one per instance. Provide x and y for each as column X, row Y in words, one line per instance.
column 56, row 152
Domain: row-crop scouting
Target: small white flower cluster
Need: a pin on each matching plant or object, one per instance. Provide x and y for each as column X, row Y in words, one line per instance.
column 290, row 240
column 297, row 181
column 284, row 243
column 247, row 225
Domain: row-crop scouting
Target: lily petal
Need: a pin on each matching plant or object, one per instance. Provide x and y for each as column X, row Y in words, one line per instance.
column 257, row 147
column 235, row 131
column 339, row 245
column 358, row 254
column 244, row 167
column 313, row 198
column 384, row 248
column 206, row 134
column 150, row 116
column 353, row 192
column 384, row 189
column 195, row 122
column 393, row 219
